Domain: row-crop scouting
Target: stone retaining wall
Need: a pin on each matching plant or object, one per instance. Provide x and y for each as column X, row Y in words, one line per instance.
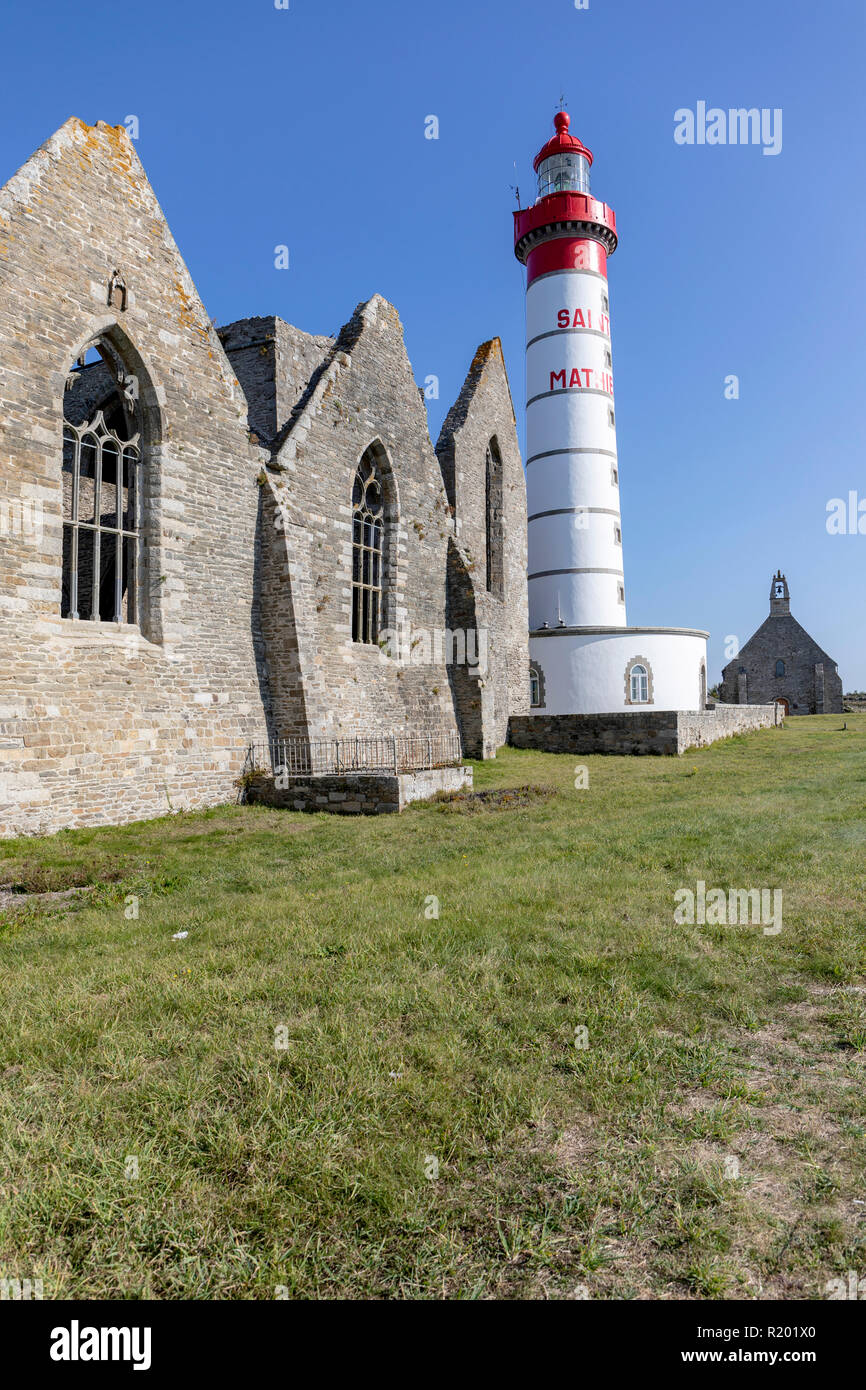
column 698, row 729
column 651, row 731
column 358, row 794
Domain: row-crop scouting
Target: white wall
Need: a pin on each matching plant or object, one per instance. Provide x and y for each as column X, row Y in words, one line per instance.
column 584, row 673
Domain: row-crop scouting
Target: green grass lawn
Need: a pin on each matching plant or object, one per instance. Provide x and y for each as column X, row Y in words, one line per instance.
column 414, row 1043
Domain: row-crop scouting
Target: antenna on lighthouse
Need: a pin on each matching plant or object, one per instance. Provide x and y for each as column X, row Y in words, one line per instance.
column 514, row 188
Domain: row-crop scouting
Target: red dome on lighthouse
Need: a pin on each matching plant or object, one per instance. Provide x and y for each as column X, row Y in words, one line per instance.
column 565, row 228
column 562, row 142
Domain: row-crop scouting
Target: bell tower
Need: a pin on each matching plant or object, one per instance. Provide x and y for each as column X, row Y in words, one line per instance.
column 780, row 599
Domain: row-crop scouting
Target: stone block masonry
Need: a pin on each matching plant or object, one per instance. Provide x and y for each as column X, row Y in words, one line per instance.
column 653, row 732
column 242, row 548
column 358, row 794
column 103, row 723
column 662, row 732
column 361, row 400
column 722, row 721
column 480, row 459
column 782, row 662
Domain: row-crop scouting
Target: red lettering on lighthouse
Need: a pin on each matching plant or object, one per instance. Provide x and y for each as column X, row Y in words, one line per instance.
column 581, row 379
column 582, row 318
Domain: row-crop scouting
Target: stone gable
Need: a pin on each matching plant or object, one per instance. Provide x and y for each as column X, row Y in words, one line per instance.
column 481, row 421
column 250, row 440
column 324, row 683
column 102, row 723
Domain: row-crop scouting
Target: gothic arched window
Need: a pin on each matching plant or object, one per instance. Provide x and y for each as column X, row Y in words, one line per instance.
column 101, row 491
column 368, row 531
column 780, row 668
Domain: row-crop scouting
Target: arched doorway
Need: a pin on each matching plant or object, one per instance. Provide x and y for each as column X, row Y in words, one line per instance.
column 780, row 700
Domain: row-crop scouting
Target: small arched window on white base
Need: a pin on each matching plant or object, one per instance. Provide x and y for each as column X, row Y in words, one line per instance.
column 536, row 686
column 638, row 682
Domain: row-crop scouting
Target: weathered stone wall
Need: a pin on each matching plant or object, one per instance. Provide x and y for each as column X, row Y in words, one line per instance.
column 245, row 621
column 358, row 794
column 98, row 723
column 482, row 419
column 323, row 683
column 811, row 683
column 654, row 731
column 275, row 364
column 696, row 730
column 650, row 731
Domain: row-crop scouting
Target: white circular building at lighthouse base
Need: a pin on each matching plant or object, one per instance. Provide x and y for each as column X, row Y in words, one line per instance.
column 603, row 670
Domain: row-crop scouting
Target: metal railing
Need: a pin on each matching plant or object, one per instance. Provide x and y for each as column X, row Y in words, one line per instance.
column 311, row 757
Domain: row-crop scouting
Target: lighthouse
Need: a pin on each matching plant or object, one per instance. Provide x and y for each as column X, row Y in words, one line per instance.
column 584, row 657
column 572, row 479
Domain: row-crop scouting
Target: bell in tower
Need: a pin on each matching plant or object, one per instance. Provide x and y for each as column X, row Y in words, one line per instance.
column 780, row 599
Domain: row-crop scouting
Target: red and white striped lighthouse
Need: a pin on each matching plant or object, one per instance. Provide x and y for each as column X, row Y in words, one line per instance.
column 572, row 477
column 584, row 659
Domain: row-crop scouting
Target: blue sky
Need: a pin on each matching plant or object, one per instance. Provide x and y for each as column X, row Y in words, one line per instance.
column 305, row 127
